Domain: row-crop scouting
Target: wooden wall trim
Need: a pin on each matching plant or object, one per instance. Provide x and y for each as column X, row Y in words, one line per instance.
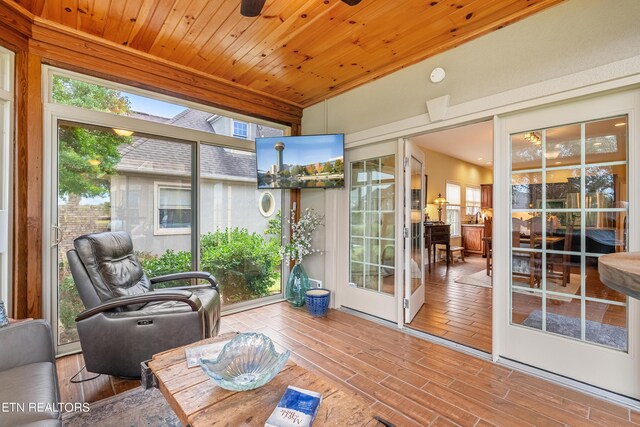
column 81, row 52
column 27, row 188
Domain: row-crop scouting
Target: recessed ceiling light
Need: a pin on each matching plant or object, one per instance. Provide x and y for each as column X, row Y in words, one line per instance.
column 558, row 162
column 620, row 124
column 597, row 144
column 479, row 158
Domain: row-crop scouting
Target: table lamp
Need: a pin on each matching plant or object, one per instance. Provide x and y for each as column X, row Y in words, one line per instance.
column 440, row 201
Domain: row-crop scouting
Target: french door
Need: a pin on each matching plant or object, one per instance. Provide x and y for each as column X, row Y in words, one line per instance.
column 414, row 231
column 375, row 230
column 568, row 191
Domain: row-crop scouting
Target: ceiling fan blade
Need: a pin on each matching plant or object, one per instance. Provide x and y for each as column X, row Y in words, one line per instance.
column 352, row 2
column 251, row 8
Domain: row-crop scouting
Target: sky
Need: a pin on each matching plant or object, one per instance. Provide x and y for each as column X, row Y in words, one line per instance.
column 300, row 150
column 151, row 106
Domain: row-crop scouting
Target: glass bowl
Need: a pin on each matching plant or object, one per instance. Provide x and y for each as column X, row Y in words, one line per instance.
column 246, row 362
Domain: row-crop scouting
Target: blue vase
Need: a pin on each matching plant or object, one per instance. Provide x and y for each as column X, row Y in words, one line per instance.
column 297, row 286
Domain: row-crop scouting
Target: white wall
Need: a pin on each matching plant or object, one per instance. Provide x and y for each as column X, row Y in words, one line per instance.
column 572, row 37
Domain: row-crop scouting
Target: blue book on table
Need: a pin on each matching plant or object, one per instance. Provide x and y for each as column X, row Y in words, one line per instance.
column 298, row 407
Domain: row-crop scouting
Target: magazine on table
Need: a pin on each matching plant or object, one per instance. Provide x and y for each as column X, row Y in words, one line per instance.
column 298, row 407
column 207, row 351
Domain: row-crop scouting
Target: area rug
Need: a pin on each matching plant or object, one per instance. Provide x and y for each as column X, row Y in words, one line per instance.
column 133, row 408
column 476, row 279
column 596, row 332
column 572, row 287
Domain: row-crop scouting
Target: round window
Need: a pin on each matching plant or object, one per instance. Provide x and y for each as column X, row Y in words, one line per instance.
column 267, row 204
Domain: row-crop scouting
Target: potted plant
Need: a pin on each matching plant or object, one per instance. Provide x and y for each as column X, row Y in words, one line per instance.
column 299, row 246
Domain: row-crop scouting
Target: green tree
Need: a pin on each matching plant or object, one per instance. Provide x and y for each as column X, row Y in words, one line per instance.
column 328, row 167
column 87, row 156
column 338, row 166
column 274, row 226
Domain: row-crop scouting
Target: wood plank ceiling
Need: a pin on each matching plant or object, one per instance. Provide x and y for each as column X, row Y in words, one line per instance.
column 302, row 51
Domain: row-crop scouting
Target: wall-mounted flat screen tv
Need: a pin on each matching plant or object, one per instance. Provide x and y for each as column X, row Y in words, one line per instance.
column 310, row 161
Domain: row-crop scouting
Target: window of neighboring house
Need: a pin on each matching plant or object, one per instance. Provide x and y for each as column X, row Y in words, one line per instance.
column 240, row 129
column 173, row 209
column 267, row 204
column 472, row 201
column 453, row 207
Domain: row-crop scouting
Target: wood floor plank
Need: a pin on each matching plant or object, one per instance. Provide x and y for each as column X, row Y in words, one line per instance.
column 593, row 402
column 497, row 416
column 437, row 405
column 411, row 381
column 67, row 367
column 549, row 410
column 395, row 400
column 536, row 418
column 395, row 417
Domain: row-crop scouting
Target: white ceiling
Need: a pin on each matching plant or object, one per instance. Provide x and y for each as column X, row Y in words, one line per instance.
column 471, row 143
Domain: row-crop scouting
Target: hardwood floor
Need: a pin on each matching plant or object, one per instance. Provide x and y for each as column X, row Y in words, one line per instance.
column 410, row 381
column 454, row 311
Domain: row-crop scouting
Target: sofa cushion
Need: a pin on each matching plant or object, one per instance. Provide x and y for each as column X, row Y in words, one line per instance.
column 23, row 388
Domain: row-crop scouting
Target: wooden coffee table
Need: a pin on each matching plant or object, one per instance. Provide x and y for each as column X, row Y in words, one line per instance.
column 198, row 401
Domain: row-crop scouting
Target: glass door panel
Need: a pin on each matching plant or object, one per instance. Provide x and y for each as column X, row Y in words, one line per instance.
column 371, row 275
column 241, row 227
column 372, row 212
column 109, row 181
column 567, row 210
column 414, row 243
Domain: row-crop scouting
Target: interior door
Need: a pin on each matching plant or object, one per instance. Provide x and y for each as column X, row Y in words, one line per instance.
column 375, row 236
column 414, row 288
column 567, row 188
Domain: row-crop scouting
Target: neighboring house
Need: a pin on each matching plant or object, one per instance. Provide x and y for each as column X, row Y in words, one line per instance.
column 151, row 194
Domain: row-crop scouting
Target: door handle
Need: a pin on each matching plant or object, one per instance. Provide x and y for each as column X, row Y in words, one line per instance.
column 59, row 235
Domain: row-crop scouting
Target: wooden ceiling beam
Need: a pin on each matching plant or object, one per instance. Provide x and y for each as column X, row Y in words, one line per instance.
column 71, row 49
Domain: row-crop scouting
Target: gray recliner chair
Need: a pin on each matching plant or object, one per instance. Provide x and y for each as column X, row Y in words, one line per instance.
column 126, row 320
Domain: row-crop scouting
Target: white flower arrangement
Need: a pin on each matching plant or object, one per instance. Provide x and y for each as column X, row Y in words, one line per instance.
column 299, row 245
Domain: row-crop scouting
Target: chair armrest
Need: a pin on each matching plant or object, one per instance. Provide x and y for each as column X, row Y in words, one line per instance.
column 27, row 342
column 155, row 296
column 187, row 275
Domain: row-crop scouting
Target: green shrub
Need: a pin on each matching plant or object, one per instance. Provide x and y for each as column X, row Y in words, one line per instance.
column 70, row 305
column 244, row 264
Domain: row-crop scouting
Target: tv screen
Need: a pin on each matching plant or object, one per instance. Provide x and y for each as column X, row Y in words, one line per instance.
column 310, row 161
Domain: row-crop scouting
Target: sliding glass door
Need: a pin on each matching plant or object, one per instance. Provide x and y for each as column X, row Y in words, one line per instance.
column 110, row 180
column 185, row 193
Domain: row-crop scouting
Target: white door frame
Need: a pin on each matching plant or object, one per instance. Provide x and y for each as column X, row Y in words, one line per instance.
column 413, row 301
column 376, row 304
column 605, row 368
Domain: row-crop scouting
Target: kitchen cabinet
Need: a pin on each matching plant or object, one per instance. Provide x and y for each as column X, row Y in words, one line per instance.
column 486, row 196
column 472, row 235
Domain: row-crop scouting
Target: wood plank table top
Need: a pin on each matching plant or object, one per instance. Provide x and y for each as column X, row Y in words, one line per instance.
column 621, row 271
column 198, row 401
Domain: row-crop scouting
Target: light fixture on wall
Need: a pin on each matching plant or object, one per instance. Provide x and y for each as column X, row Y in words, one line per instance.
column 123, row 132
column 440, row 201
column 533, row 137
